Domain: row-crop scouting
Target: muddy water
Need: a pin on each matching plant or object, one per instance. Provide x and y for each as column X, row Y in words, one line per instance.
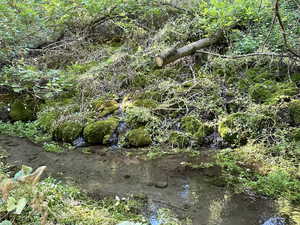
column 165, row 182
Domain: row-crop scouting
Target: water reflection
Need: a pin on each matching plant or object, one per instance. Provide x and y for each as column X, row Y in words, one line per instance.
column 275, row 221
column 153, row 217
column 185, row 193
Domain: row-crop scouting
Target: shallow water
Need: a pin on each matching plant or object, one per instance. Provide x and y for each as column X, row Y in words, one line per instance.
column 167, row 183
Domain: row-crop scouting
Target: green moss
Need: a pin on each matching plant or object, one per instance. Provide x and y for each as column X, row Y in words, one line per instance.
column 203, row 131
column 294, row 109
column 261, row 92
column 147, row 103
column 137, row 117
column 46, row 119
column 152, row 94
column 252, row 77
column 271, row 91
column 21, row 111
column 295, row 134
column 190, row 124
column 105, row 107
column 95, row 132
column 139, row 81
column 196, row 128
column 59, row 101
column 230, row 128
column 68, row 131
column 179, row 139
column 139, row 137
column 295, row 77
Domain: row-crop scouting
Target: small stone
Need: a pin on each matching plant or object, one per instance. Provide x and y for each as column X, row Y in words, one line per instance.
column 126, row 176
column 161, row 184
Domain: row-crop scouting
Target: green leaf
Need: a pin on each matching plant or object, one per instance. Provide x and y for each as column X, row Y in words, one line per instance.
column 20, row 206
column 11, row 204
column 6, row 222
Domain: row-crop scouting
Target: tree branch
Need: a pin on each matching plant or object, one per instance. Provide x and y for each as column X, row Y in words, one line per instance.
column 247, row 55
column 276, row 9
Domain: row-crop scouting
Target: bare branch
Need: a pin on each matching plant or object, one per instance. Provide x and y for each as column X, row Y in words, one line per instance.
column 276, row 9
column 272, row 54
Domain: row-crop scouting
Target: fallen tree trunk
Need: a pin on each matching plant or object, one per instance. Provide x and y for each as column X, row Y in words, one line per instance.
column 174, row 54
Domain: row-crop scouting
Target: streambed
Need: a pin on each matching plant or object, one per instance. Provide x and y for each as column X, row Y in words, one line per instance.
column 166, row 183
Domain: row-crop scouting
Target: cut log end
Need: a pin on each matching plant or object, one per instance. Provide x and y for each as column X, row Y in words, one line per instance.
column 159, row 61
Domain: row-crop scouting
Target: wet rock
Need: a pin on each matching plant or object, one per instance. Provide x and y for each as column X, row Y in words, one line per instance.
column 161, row 184
column 4, row 113
column 79, row 142
column 275, row 221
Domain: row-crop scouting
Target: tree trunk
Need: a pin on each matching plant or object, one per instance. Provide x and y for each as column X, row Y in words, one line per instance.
column 174, row 54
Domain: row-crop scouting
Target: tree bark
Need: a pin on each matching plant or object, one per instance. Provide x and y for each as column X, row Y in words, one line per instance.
column 173, row 54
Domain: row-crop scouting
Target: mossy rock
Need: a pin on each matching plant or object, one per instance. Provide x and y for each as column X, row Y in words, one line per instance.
column 95, row 132
column 179, row 139
column 254, row 76
column 106, row 107
column 46, row 119
column 198, row 129
column 261, row 92
column 139, row 137
column 68, row 131
column 147, row 103
column 271, row 91
column 231, row 130
column 294, row 110
column 22, row 111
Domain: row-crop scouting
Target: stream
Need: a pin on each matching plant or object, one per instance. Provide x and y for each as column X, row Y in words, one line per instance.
column 166, row 183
